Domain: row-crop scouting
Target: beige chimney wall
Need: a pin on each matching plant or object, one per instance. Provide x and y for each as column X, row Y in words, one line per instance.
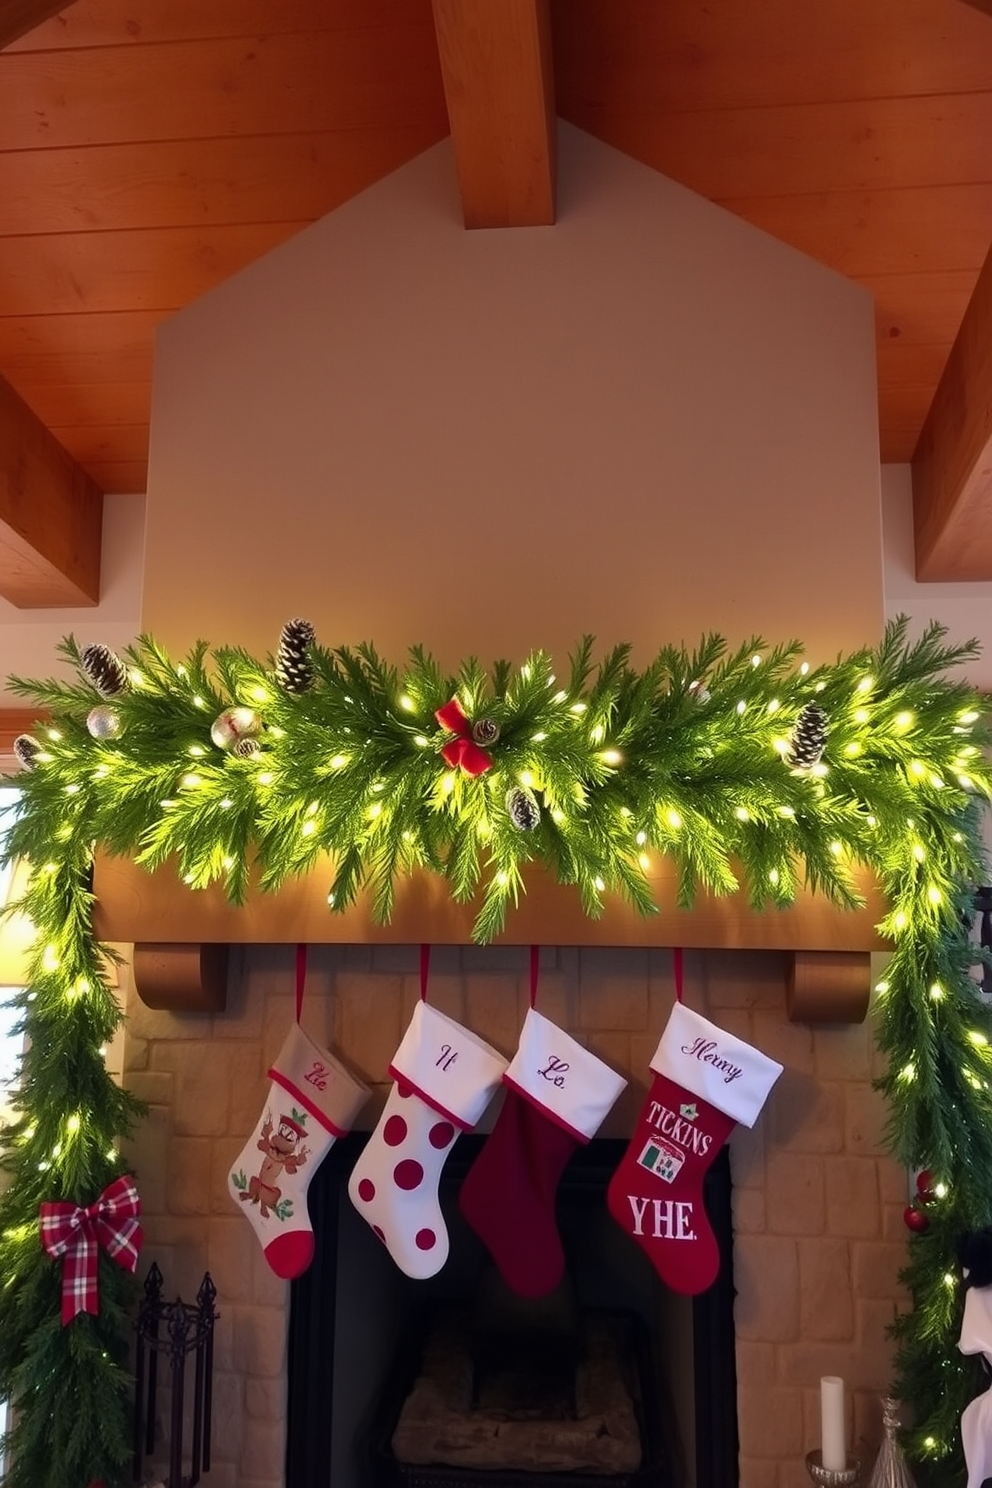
column 646, row 422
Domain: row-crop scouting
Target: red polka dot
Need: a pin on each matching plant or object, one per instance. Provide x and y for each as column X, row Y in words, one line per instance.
column 404, row 1089
column 426, row 1239
column 394, row 1131
column 376, row 1231
column 366, row 1190
column 441, row 1133
column 408, row 1174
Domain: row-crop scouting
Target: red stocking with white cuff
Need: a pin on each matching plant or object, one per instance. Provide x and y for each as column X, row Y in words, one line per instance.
column 445, row 1078
column 705, row 1082
column 557, row 1096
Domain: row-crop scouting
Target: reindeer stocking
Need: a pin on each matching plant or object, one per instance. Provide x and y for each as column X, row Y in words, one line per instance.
column 312, row 1100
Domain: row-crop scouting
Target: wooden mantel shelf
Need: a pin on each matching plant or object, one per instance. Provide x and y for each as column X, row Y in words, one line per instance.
column 136, row 906
column 181, row 936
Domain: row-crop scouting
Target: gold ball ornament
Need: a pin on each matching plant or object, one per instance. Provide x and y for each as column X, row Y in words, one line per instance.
column 103, row 722
column 233, row 725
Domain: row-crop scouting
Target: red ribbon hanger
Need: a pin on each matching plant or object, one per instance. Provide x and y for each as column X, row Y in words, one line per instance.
column 462, row 750
column 535, row 960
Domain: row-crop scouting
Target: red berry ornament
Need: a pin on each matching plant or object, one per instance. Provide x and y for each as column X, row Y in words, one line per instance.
column 924, row 1185
column 916, row 1220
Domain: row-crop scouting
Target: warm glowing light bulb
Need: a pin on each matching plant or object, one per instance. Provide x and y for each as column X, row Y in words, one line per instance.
column 673, row 818
column 338, row 761
column 611, row 756
column 73, row 1123
column 903, row 721
column 407, row 703
column 865, row 685
column 600, row 885
column 773, row 876
column 936, row 991
column 804, row 668
column 742, row 814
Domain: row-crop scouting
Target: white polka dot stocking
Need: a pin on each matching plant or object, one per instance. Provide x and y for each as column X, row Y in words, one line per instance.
column 444, row 1078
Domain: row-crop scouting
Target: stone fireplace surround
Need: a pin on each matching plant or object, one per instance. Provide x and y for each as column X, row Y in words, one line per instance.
column 819, row 1235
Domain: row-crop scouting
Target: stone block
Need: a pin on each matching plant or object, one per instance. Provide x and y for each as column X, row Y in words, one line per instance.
column 557, row 999
column 843, row 1052
column 147, row 1155
column 805, row 1115
column 826, row 1308
column 260, row 1340
column 749, row 1211
column 852, row 1197
column 153, row 1086
column 873, row 1371
column 445, row 991
column 790, row 1043
column 278, row 1016
column 866, row 1118
column 135, row 1053
column 766, row 1273
column 894, row 1185
column 749, row 980
column 771, row 1421
column 263, row 1448
column 876, row 1265
column 796, row 1195
column 747, row 1155
column 265, row 1399
column 756, row 1362
column 231, row 1244
column 613, row 989
column 759, row 1472
column 368, row 1024
column 492, row 1010
column 188, row 1187
column 200, row 1103
column 228, row 1421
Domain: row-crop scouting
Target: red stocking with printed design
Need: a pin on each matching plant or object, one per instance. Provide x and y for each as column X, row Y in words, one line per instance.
column 557, row 1096
column 445, row 1077
column 705, row 1082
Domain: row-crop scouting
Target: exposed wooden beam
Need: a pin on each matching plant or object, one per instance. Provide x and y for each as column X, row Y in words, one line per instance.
column 499, row 85
column 952, row 466
column 51, row 515
column 18, row 17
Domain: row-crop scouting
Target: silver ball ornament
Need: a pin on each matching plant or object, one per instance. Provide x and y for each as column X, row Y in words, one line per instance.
column 233, row 725
column 103, row 722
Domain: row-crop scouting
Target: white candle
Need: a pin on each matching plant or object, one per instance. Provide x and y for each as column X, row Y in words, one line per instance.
column 833, row 1452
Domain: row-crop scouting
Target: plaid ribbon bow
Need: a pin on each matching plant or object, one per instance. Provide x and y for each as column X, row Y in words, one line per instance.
column 462, row 750
column 74, row 1235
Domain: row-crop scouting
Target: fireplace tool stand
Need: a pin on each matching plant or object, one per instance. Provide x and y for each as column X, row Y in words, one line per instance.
column 175, row 1329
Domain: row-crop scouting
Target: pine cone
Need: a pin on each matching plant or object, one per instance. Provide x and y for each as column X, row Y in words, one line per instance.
column 522, row 808
column 246, row 748
column 26, row 749
column 105, row 670
column 485, row 732
column 294, row 671
column 809, row 738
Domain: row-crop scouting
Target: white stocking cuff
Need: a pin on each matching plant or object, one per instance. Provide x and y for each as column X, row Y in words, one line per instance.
column 716, row 1066
column 449, row 1067
column 570, row 1085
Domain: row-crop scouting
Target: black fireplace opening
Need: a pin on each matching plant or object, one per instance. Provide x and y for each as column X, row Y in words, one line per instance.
column 362, row 1334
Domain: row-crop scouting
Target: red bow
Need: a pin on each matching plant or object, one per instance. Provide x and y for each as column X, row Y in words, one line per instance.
column 462, row 750
column 75, row 1235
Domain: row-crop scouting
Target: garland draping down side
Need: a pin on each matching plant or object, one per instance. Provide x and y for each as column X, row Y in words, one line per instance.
column 747, row 770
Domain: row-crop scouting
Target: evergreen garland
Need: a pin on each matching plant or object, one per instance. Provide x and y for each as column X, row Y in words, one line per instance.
column 690, row 758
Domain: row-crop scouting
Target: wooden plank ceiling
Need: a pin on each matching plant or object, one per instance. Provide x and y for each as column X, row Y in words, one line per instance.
column 148, row 151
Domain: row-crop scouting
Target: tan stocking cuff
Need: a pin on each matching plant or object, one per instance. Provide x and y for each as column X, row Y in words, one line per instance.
column 318, row 1082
